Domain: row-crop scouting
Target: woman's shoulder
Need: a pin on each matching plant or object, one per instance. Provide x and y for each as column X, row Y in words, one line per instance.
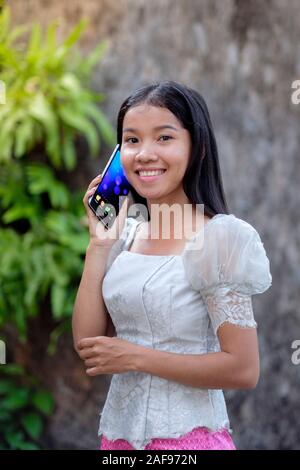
column 225, row 232
column 229, row 223
column 230, row 251
column 222, row 232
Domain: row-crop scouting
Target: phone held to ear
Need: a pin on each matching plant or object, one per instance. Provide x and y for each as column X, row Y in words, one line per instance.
column 112, row 190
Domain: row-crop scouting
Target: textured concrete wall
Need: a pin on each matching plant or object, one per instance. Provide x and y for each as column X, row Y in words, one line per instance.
column 243, row 57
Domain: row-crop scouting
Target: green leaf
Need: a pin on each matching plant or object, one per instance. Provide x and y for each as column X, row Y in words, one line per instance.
column 6, row 150
column 105, row 127
column 4, row 23
column 43, row 401
column 51, row 36
column 40, row 178
column 76, row 242
column 58, row 298
column 94, row 57
column 6, row 136
column 69, row 152
column 33, row 424
column 13, row 369
column 23, row 136
column 59, row 195
column 28, row 446
column 14, row 438
column 17, row 213
column 82, row 125
column 71, row 83
column 75, row 33
column 15, row 401
column 34, row 41
column 6, row 386
column 41, row 110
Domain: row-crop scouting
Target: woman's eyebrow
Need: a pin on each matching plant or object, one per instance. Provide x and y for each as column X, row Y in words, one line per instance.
column 157, row 128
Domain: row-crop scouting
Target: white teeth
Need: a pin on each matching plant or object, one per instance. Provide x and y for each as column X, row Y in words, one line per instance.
column 151, row 173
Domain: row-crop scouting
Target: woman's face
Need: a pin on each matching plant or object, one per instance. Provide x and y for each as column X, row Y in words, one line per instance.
column 153, row 138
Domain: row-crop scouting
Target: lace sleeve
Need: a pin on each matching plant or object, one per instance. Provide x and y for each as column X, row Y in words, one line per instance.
column 228, row 269
column 225, row 305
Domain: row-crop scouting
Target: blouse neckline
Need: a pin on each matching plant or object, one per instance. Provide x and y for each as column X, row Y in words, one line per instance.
column 126, row 250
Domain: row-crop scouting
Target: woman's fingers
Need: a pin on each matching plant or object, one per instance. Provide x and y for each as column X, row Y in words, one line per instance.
column 91, row 191
column 91, row 188
column 91, row 362
column 94, row 181
column 88, row 194
column 87, row 353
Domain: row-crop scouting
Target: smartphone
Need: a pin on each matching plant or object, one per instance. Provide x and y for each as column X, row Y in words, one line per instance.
column 112, row 190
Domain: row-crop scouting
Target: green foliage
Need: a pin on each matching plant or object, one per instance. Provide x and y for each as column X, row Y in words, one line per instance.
column 48, row 100
column 44, row 235
column 24, row 408
column 47, row 258
column 43, row 229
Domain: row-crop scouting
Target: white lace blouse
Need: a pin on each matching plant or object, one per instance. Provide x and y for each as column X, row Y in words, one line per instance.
column 176, row 303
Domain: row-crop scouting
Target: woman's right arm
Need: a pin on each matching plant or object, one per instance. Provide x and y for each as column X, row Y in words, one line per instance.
column 90, row 316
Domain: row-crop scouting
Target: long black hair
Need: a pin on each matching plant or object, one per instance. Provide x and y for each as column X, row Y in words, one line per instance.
column 202, row 181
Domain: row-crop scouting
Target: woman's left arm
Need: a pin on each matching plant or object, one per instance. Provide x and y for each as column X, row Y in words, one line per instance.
column 235, row 366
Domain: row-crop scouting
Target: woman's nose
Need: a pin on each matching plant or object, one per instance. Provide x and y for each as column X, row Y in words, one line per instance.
column 145, row 154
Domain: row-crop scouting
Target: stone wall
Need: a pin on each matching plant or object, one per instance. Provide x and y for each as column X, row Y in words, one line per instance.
column 243, row 57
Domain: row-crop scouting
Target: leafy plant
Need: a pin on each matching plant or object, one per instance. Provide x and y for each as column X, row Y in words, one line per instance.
column 48, row 256
column 44, row 235
column 48, row 100
column 24, row 409
column 49, row 105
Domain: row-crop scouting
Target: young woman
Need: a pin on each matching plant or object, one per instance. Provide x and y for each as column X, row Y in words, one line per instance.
column 171, row 318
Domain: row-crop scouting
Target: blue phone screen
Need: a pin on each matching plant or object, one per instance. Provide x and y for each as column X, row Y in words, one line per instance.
column 112, row 190
column 114, row 183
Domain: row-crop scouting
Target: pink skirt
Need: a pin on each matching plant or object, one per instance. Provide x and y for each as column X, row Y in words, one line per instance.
column 197, row 439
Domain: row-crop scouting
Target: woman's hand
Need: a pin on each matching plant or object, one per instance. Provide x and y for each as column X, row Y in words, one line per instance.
column 98, row 233
column 104, row 355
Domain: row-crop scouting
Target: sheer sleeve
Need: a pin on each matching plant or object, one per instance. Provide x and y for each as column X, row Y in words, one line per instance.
column 228, row 267
column 120, row 243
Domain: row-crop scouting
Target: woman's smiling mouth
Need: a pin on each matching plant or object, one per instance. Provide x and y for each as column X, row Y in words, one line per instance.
column 150, row 175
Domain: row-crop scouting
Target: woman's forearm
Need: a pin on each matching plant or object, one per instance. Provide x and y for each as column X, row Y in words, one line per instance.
column 219, row 370
column 89, row 312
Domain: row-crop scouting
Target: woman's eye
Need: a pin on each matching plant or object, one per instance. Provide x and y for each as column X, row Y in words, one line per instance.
column 165, row 138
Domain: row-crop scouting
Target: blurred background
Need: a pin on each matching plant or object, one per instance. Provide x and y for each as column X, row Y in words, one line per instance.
column 65, row 68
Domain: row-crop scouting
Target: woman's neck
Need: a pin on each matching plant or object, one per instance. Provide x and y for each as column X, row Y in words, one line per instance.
column 176, row 221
